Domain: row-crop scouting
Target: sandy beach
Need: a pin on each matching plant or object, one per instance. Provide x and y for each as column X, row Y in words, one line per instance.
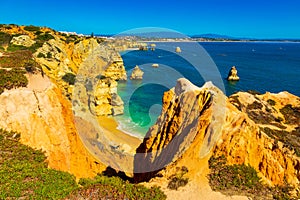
column 111, row 131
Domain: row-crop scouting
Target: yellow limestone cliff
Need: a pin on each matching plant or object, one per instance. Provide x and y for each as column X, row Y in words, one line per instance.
column 196, row 123
column 42, row 112
column 44, row 117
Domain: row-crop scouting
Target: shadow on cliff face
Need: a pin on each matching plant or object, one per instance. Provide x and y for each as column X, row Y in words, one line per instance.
column 111, row 172
column 174, row 131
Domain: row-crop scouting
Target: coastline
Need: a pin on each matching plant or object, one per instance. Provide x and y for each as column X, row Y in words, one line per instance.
column 113, row 133
column 240, row 41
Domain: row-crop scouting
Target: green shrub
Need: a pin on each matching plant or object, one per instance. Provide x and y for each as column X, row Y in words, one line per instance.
column 242, row 180
column 24, row 173
column 41, row 55
column 100, row 40
column 177, row 180
column 40, row 40
column 69, row 78
column 5, row 38
column 49, row 55
column 255, row 105
column 71, row 38
column 291, row 114
column 12, row 79
column 77, row 41
column 31, row 66
column 32, row 28
column 15, row 59
column 39, row 32
column 13, row 47
column 7, row 26
column 33, row 48
column 234, row 99
column 254, row 92
column 290, row 140
column 271, row 102
column 103, row 187
column 44, row 37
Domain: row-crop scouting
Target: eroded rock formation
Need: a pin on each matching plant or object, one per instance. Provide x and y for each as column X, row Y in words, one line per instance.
column 43, row 115
column 93, row 64
column 155, row 65
column 232, row 75
column 178, row 50
column 137, row 74
column 198, row 122
column 23, row 40
column 44, row 118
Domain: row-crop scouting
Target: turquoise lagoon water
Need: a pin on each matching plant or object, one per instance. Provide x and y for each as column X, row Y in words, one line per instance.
column 262, row 66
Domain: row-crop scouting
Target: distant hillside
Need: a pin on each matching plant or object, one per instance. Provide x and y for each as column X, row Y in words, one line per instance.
column 213, row 36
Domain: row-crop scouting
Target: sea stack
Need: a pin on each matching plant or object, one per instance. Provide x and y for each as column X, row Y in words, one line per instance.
column 232, row 76
column 153, row 47
column 178, row 50
column 137, row 74
column 143, row 47
column 155, row 65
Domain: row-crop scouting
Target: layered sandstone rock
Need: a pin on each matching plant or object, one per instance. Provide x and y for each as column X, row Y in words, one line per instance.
column 44, row 118
column 42, row 113
column 91, row 62
column 198, row 122
column 105, row 100
column 137, row 74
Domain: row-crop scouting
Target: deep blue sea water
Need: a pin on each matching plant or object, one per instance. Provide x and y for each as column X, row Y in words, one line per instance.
column 262, row 66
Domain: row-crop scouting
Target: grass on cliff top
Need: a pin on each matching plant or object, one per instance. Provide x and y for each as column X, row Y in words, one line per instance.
column 5, row 38
column 104, row 187
column 40, row 38
column 242, row 180
column 12, row 79
column 24, row 175
column 291, row 116
column 13, row 67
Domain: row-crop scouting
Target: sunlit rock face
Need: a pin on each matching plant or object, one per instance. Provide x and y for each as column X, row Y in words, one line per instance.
column 137, row 74
column 43, row 116
column 232, row 75
column 23, row 40
column 196, row 123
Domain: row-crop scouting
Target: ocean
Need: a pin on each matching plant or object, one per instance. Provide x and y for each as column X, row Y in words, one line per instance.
column 262, row 66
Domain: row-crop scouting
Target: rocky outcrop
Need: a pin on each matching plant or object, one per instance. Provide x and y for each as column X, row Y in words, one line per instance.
column 178, row 50
column 105, row 100
column 137, row 74
column 153, row 46
column 198, row 122
column 23, row 40
column 143, row 47
column 232, row 75
column 87, row 60
column 155, row 65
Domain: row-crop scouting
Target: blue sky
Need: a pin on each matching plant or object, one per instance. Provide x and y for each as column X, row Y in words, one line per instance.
column 240, row 18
